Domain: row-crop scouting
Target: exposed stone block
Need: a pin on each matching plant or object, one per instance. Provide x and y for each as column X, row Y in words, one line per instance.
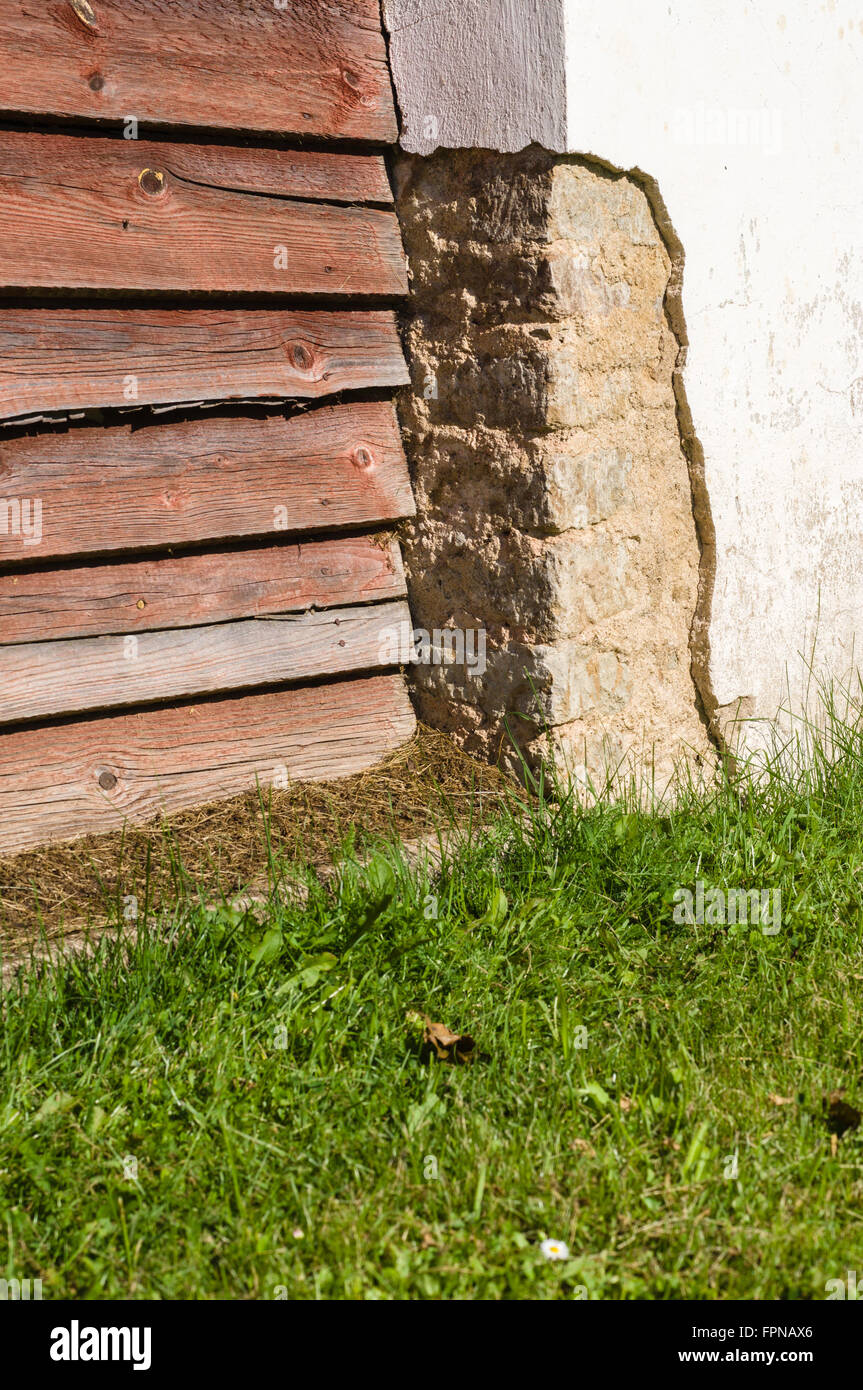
column 582, row 489
column 553, row 496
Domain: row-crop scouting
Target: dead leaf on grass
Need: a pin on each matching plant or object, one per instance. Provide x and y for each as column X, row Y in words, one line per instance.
column 839, row 1115
column 780, row 1100
column 442, row 1042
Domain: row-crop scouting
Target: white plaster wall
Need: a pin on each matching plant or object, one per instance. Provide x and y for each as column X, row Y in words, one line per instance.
column 773, row 293
column 770, row 216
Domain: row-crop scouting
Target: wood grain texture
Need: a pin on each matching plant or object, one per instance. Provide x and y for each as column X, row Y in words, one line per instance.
column 174, row 483
column 42, row 679
column 94, row 775
column 191, row 590
column 315, row 67
column 307, row 175
column 81, row 212
column 65, row 359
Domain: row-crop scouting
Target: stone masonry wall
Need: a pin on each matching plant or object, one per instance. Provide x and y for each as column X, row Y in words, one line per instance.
column 554, row 501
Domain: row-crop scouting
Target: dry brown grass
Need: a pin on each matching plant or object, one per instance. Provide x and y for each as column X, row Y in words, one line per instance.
column 222, row 847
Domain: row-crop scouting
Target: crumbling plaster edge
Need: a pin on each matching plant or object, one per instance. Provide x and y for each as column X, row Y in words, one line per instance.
column 699, row 632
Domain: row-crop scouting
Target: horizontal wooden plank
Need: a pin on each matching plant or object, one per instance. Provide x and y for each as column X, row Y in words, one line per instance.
column 65, row 359
column 168, row 484
column 94, row 775
column 41, row 679
column 310, row 175
column 316, row 67
column 190, row 590
column 81, row 212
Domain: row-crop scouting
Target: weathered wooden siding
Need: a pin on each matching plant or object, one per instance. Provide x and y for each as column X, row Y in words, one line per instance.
column 235, row 556
column 301, row 67
column 79, row 212
column 43, row 678
column 188, row 590
column 93, row 775
column 124, row 488
column 67, row 360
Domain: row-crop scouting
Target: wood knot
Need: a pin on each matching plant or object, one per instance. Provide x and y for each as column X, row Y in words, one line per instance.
column 301, row 357
column 363, row 457
column 152, row 181
column 96, row 82
column 354, row 83
column 107, row 780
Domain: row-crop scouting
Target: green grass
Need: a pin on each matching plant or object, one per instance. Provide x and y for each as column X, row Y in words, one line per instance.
column 261, row 1070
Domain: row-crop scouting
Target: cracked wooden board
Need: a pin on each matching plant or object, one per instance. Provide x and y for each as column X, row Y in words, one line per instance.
column 178, row 483
column 307, row 175
column 72, row 359
column 307, row 67
column 191, row 590
column 80, row 212
column 73, row 779
column 39, row 680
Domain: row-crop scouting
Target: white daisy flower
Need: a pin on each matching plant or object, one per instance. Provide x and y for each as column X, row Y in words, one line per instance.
column 555, row 1250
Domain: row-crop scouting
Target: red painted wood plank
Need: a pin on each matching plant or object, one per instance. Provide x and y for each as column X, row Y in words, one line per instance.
column 329, row 176
column 94, row 775
column 191, row 590
column 310, row 175
column 42, row 679
column 67, row 359
column 97, row 490
column 79, row 212
column 314, row 67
